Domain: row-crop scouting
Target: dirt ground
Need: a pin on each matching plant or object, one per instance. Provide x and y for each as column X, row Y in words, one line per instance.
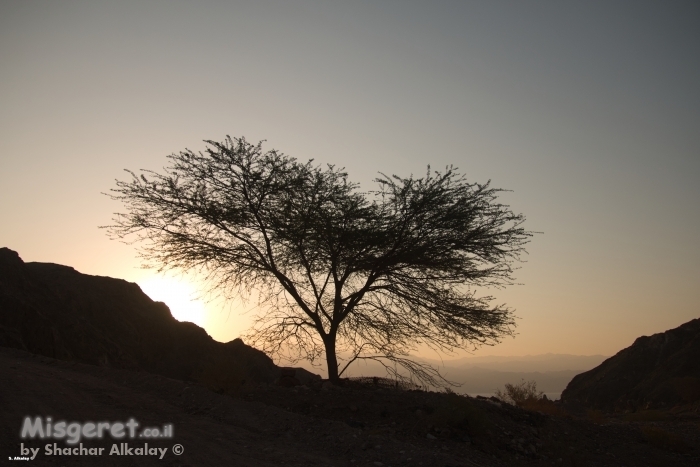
column 323, row 425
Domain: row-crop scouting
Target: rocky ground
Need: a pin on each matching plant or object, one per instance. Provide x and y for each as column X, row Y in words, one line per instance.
column 446, row 429
column 324, row 425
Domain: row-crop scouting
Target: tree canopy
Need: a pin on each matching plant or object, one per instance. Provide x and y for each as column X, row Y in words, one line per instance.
column 341, row 274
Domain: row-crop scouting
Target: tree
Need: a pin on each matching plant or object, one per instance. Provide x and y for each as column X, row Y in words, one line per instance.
column 339, row 273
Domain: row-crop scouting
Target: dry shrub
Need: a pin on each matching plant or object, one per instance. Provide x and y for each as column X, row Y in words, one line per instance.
column 517, row 394
column 526, row 395
column 663, row 439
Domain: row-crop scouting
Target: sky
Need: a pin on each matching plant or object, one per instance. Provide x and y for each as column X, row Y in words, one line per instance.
column 588, row 111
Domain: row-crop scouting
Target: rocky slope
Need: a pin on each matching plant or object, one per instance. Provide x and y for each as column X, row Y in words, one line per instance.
column 55, row 311
column 658, row 371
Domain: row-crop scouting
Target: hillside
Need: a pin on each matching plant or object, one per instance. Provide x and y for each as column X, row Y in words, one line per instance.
column 658, row 371
column 55, row 311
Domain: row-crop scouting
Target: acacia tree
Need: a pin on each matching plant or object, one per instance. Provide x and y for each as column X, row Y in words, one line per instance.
column 340, row 274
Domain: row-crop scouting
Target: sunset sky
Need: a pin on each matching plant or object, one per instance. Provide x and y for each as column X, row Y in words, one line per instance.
column 588, row 111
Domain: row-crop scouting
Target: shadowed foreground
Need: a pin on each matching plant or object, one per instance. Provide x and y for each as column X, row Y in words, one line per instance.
column 214, row 429
column 320, row 425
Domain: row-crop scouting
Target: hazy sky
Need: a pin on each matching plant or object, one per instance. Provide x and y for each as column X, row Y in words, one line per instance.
column 588, row 111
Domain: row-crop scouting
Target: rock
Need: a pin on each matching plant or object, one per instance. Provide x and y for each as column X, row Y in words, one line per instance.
column 662, row 370
column 429, row 436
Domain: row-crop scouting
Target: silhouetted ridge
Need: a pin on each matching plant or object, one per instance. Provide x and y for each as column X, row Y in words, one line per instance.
column 53, row 310
column 662, row 370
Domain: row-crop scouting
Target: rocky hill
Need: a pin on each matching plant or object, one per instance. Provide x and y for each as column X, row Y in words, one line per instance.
column 658, row 371
column 55, row 311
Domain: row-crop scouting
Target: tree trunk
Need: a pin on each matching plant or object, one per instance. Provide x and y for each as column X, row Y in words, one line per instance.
column 331, row 359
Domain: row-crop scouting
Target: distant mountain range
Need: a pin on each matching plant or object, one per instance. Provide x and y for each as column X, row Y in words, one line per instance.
column 529, row 363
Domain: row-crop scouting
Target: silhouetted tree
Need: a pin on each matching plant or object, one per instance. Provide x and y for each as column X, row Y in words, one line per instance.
column 339, row 273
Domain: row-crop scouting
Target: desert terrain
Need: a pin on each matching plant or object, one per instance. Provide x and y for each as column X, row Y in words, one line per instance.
column 351, row 425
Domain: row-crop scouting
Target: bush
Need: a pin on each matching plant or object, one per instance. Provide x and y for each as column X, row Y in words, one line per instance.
column 526, row 396
column 521, row 393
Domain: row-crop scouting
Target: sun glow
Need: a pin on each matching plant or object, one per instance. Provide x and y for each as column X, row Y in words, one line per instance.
column 179, row 295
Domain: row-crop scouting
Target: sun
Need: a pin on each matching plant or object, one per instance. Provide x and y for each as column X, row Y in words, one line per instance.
column 180, row 296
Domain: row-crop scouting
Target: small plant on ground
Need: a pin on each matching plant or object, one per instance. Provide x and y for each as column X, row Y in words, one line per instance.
column 526, row 395
column 518, row 394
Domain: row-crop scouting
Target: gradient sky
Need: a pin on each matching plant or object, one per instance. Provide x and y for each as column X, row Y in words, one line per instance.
column 588, row 111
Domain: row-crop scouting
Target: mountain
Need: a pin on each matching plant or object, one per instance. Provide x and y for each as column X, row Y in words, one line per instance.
column 542, row 363
column 55, row 311
column 662, row 370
